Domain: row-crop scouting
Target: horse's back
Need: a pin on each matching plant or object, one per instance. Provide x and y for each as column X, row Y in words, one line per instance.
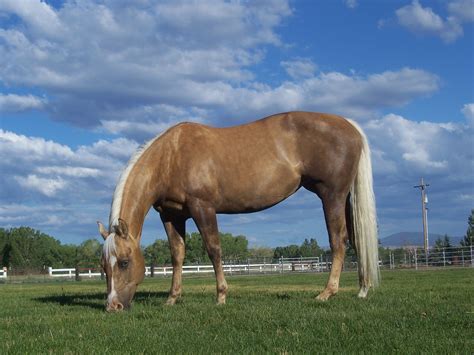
column 258, row 164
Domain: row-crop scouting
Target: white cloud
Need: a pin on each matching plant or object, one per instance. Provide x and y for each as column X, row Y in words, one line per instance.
column 46, row 186
column 77, row 172
column 468, row 112
column 462, row 10
column 403, row 151
column 38, row 168
column 18, row 103
column 411, row 148
column 36, row 14
column 423, row 20
column 351, row 4
column 299, row 68
column 135, row 69
column 13, row 145
column 415, row 17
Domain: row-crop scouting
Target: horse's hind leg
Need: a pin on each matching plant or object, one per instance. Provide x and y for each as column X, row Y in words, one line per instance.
column 335, row 215
column 205, row 218
column 175, row 229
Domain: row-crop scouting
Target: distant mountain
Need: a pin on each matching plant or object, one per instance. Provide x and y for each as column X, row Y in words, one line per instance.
column 414, row 239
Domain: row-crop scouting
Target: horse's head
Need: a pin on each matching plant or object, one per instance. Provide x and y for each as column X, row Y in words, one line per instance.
column 123, row 263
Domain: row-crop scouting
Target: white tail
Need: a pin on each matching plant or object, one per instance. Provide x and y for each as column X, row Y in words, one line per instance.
column 364, row 220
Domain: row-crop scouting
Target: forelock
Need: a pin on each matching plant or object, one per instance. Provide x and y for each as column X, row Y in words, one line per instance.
column 110, row 248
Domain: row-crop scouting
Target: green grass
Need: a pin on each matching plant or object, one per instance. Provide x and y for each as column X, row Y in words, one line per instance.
column 412, row 312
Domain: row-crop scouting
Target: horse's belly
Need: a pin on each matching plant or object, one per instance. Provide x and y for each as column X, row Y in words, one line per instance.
column 256, row 193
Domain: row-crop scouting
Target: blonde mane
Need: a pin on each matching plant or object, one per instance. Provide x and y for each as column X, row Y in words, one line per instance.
column 119, row 189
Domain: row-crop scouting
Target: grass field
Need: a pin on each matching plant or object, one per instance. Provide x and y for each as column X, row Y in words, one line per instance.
column 412, row 312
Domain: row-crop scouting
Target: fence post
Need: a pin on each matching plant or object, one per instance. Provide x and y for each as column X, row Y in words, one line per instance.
column 78, row 277
column 416, row 261
column 50, row 271
column 444, row 258
column 472, row 261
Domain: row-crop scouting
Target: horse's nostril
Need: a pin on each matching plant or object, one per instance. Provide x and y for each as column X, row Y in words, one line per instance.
column 114, row 307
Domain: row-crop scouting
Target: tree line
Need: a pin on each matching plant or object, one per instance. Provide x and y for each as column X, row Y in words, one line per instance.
column 25, row 248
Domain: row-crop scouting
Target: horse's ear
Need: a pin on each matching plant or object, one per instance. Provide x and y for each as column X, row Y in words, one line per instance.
column 102, row 230
column 122, row 229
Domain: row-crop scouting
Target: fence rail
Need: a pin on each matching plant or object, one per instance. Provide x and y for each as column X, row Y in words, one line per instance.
column 72, row 272
column 283, row 265
column 418, row 258
column 415, row 258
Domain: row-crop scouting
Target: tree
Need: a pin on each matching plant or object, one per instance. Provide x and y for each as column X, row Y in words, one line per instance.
column 158, row 253
column 468, row 239
column 88, row 253
column 233, row 247
column 310, row 248
column 442, row 243
column 195, row 249
column 289, row 251
column 260, row 252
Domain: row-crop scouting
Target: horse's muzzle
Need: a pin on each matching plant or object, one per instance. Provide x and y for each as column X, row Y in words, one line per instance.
column 116, row 306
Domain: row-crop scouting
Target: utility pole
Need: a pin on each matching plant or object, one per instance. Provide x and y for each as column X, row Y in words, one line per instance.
column 424, row 201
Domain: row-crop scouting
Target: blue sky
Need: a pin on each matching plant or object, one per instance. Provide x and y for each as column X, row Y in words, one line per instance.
column 84, row 83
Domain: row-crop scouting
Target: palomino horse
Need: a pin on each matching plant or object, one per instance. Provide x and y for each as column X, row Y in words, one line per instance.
column 195, row 171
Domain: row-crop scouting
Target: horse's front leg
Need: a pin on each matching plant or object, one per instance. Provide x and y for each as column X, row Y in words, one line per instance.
column 334, row 213
column 175, row 229
column 204, row 216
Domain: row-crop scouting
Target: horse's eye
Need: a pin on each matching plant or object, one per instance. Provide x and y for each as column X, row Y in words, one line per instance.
column 123, row 264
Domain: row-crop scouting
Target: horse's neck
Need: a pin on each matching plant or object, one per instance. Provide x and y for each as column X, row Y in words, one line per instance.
column 138, row 197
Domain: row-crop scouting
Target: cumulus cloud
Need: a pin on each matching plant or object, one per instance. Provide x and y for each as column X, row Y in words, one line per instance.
column 468, row 112
column 462, row 10
column 403, row 151
column 134, row 69
column 38, row 15
column 37, row 168
column 48, row 187
column 423, row 20
column 133, row 55
column 418, row 146
column 299, row 68
column 18, row 103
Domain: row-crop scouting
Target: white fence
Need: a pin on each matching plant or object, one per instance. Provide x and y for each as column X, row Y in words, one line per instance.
column 71, row 272
column 440, row 257
column 284, row 264
column 395, row 259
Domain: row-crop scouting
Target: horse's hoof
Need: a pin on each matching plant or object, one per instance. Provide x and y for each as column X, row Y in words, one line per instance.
column 363, row 292
column 322, row 298
column 220, row 302
column 171, row 301
column 325, row 295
